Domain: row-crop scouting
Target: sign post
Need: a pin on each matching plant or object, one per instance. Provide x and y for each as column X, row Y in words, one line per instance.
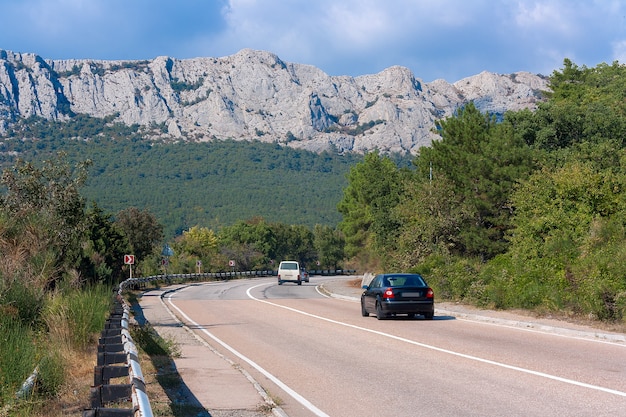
column 166, row 253
column 130, row 260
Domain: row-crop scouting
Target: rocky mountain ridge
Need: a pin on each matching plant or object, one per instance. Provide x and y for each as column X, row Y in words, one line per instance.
column 253, row 95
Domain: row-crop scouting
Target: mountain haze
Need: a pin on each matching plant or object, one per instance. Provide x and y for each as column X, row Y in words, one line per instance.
column 253, row 95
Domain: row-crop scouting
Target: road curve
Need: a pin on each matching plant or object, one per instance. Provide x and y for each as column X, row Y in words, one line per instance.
column 317, row 356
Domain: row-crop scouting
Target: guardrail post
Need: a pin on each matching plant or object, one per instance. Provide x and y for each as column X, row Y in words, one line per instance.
column 104, row 394
column 104, row 374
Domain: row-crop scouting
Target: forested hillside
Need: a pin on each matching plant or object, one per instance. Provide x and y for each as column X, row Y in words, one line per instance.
column 211, row 184
column 527, row 213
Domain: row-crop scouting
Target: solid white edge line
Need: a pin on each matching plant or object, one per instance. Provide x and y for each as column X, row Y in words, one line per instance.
column 540, row 329
column 306, row 403
column 449, row 352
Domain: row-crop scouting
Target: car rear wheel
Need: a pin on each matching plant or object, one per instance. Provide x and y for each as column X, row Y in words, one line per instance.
column 364, row 312
column 280, row 282
column 379, row 312
column 429, row 316
column 299, row 282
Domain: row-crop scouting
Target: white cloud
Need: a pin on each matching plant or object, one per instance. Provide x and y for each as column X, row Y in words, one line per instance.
column 358, row 26
column 541, row 16
column 619, row 52
column 448, row 39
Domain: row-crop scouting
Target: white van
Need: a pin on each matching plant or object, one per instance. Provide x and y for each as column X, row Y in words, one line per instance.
column 289, row 271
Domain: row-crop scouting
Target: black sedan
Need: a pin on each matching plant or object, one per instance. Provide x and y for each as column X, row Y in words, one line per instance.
column 391, row 294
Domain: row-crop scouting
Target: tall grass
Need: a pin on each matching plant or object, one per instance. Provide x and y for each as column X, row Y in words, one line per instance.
column 47, row 333
column 19, row 355
column 20, row 307
column 75, row 317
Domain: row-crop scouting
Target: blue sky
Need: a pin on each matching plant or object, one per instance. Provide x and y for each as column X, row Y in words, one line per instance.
column 449, row 39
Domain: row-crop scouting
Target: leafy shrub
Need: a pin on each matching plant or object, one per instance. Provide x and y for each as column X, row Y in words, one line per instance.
column 450, row 277
column 596, row 280
column 517, row 283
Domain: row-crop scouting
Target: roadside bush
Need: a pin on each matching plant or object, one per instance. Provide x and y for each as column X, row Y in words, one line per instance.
column 431, row 269
column 523, row 283
column 597, row 280
column 592, row 285
column 450, row 277
column 462, row 275
column 21, row 301
column 602, row 296
column 527, row 290
column 491, row 285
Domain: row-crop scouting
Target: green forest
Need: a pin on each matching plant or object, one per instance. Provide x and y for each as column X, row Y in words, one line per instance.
column 525, row 213
column 211, row 184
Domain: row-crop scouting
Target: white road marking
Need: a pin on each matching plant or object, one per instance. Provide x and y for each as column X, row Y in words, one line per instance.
column 306, row 403
column 435, row 348
column 552, row 331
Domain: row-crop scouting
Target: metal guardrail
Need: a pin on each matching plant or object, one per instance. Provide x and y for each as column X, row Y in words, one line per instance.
column 118, row 358
column 117, row 353
column 139, row 282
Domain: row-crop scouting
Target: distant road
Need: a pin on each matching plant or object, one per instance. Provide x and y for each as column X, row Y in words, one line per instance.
column 320, row 357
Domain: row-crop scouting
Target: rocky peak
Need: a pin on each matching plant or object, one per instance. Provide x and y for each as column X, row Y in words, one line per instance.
column 254, row 95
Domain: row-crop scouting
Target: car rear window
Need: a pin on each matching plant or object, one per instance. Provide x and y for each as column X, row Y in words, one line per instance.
column 289, row 265
column 406, row 281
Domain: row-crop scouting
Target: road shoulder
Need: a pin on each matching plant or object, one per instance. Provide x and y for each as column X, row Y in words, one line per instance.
column 209, row 378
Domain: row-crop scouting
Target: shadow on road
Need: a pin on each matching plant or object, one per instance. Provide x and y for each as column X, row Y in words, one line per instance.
column 181, row 402
column 419, row 318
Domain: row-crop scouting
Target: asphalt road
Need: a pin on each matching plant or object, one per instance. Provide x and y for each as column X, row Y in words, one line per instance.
column 315, row 355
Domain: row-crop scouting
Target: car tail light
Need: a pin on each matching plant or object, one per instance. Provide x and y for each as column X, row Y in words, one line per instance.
column 388, row 293
column 430, row 293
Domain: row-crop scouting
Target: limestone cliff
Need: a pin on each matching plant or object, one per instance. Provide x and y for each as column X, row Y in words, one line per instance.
column 253, row 95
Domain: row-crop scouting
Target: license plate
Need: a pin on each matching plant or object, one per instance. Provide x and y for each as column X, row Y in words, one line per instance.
column 411, row 294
